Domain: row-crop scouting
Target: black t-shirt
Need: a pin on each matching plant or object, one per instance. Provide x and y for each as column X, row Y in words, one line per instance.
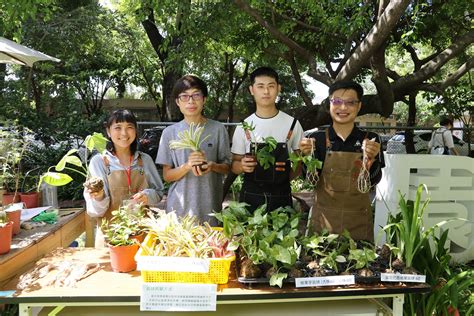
column 353, row 143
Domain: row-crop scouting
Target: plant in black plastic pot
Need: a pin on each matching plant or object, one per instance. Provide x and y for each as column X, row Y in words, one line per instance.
column 260, row 152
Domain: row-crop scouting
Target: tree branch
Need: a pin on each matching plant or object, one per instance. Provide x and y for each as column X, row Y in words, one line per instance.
column 156, row 39
column 380, row 79
column 429, row 69
column 376, row 37
column 244, row 6
column 296, row 75
column 439, row 87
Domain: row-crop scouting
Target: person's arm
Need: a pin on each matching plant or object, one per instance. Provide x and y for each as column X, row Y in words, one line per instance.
column 222, row 168
column 172, row 174
column 449, row 142
column 97, row 203
column 154, row 192
column 241, row 164
column 295, row 141
column 372, row 150
column 223, row 158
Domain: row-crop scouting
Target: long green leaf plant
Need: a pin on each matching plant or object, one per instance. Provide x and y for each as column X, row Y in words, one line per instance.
column 96, row 141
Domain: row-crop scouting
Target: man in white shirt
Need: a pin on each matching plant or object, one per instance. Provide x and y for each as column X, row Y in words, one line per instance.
column 442, row 142
column 270, row 185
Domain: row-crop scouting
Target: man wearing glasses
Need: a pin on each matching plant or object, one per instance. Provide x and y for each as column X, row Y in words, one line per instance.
column 196, row 177
column 352, row 164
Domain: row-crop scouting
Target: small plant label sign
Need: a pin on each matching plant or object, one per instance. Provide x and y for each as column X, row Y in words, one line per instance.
column 175, row 297
column 398, row 277
column 325, row 281
column 172, row 264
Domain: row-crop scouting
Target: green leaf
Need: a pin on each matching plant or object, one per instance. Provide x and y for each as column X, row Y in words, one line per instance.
column 62, row 163
column 96, row 141
column 56, row 179
column 233, row 245
column 277, row 279
column 281, row 254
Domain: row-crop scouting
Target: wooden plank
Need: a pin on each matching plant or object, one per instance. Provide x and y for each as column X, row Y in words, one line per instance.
column 90, row 226
column 14, row 266
column 30, row 245
column 72, row 229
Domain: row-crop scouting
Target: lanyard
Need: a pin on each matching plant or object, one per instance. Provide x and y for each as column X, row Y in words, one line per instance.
column 128, row 171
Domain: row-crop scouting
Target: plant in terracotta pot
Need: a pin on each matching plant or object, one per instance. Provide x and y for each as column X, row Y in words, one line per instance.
column 5, row 233
column 72, row 162
column 28, row 194
column 12, row 148
column 122, row 233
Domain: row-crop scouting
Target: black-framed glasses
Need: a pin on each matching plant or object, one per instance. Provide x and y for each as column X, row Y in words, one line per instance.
column 195, row 96
column 339, row 102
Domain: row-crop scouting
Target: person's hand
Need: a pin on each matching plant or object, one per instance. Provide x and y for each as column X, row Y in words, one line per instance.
column 140, row 198
column 98, row 195
column 306, row 145
column 371, row 148
column 204, row 169
column 196, row 158
column 248, row 164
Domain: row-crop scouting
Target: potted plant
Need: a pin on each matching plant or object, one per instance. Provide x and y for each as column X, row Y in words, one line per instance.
column 123, row 234
column 28, row 194
column 97, row 142
column 190, row 139
column 261, row 152
column 12, row 148
column 5, row 233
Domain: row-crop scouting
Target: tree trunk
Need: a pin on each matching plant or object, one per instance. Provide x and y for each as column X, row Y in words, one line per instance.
column 168, row 104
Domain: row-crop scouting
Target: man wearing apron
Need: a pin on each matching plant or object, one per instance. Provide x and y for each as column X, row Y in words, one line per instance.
column 269, row 186
column 340, row 203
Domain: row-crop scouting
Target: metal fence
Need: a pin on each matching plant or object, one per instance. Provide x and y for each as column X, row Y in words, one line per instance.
column 392, row 137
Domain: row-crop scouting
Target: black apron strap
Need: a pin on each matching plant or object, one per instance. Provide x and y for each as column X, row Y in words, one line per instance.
column 290, row 132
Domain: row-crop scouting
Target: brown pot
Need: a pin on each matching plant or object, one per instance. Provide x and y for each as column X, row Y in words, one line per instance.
column 5, row 238
column 9, row 198
column 14, row 216
column 31, row 199
column 122, row 258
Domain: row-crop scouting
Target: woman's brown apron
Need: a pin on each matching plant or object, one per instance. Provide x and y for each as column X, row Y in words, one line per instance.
column 120, row 190
column 338, row 203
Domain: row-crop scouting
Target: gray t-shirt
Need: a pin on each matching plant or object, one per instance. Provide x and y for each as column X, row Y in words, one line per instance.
column 193, row 195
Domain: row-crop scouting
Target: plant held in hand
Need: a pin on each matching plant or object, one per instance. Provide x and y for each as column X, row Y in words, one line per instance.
column 92, row 142
column 190, row 139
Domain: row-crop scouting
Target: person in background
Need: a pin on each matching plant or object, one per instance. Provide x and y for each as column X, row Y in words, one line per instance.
column 442, row 142
column 266, row 186
column 127, row 173
column 346, row 151
column 194, row 190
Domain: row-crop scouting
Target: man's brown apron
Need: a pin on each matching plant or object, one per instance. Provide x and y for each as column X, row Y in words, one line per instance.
column 338, row 204
column 119, row 190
